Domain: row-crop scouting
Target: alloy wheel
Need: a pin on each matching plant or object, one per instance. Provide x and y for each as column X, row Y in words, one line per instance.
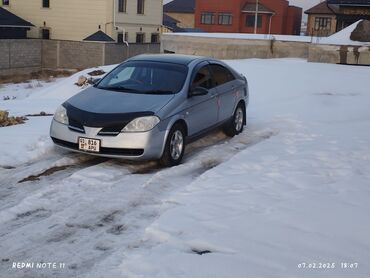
column 176, row 144
column 239, row 119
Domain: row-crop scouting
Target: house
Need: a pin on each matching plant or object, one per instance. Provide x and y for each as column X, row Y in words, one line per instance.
column 321, row 20
column 123, row 20
column 182, row 11
column 12, row 26
column 238, row 16
column 170, row 25
column 348, row 12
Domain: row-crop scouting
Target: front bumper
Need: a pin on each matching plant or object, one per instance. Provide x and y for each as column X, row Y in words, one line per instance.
column 134, row 146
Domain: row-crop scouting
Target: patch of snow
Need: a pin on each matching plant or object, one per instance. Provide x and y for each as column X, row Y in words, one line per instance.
column 343, row 37
column 25, row 142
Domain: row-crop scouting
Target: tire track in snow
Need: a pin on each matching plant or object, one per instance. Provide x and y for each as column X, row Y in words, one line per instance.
column 100, row 212
column 11, row 192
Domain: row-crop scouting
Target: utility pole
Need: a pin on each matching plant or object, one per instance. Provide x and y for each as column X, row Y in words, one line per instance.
column 256, row 18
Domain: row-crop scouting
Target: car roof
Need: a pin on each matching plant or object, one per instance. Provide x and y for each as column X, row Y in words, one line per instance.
column 168, row 58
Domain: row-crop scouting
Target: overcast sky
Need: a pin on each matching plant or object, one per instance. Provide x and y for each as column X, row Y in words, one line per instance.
column 305, row 4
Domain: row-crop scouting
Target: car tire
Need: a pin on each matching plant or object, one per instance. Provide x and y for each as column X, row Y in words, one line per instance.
column 175, row 146
column 235, row 125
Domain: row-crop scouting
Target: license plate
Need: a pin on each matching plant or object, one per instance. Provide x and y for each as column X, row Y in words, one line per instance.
column 88, row 145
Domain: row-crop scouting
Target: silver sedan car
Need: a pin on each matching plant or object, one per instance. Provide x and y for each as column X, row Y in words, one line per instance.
column 150, row 106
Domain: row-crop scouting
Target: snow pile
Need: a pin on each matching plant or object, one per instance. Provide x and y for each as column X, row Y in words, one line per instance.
column 343, row 37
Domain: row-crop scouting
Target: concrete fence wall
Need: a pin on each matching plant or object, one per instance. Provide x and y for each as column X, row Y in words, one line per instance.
column 116, row 53
column 25, row 56
column 223, row 48
column 19, row 56
column 339, row 54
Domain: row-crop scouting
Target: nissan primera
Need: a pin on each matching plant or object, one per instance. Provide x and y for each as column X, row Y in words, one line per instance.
column 150, row 106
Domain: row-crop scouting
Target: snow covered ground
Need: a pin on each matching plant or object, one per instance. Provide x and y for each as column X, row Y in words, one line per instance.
column 286, row 198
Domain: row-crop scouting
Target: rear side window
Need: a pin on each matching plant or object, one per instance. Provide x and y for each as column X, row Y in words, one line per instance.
column 203, row 78
column 221, row 75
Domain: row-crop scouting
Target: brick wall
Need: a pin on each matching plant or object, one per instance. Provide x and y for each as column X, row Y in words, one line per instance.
column 284, row 19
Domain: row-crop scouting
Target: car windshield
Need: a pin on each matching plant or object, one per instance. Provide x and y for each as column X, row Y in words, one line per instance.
column 145, row 78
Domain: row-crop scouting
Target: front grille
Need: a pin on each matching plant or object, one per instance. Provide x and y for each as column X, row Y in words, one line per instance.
column 103, row 151
column 76, row 126
column 111, row 130
column 66, row 144
column 73, row 128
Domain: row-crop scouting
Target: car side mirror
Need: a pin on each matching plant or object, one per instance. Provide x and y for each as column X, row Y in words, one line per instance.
column 198, row 91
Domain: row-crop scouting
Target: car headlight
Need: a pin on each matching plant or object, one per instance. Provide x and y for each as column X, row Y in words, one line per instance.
column 61, row 115
column 141, row 124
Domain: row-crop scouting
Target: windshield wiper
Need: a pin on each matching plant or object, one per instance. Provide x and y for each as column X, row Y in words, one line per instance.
column 119, row 89
column 158, row 92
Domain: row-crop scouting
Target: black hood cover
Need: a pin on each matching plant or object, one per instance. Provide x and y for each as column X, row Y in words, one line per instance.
column 95, row 107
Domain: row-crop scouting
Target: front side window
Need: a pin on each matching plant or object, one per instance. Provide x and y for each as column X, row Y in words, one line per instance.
column 145, row 78
column 46, row 3
column 225, row 19
column 140, row 6
column 5, row 2
column 221, row 75
column 207, row 18
column 203, row 79
column 250, row 21
column 122, row 4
